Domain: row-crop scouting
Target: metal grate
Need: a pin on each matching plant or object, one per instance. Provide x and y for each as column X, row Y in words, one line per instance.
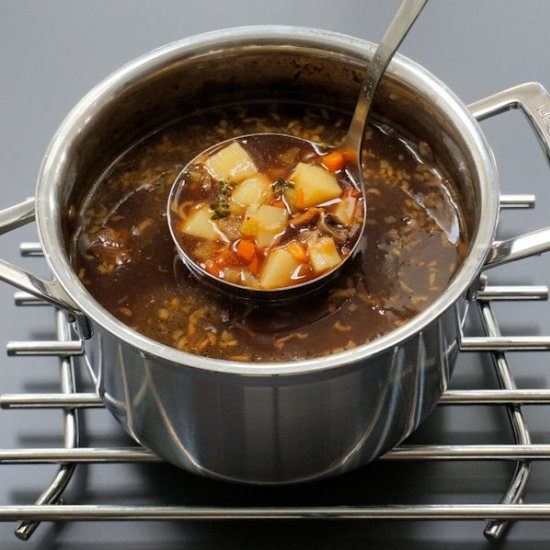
column 70, row 400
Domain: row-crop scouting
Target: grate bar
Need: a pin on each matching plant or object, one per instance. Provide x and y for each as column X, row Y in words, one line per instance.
column 45, row 348
column 403, row 512
column 50, row 401
column 406, row 452
column 22, row 298
column 494, row 397
column 32, row 249
column 517, row 201
column 451, row 397
column 505, row 343
column 513, row 293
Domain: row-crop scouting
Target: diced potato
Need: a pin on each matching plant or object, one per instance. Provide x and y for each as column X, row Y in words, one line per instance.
column 232, row 164
column 254, row 190
column 200, row 224
column 322, row 254
column 278, row 269
column 290, row 197
column 314, row 184
column 266, row 223
column 249, row 227
column 344, row 210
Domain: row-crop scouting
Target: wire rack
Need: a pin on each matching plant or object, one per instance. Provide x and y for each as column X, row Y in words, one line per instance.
column 71, row 399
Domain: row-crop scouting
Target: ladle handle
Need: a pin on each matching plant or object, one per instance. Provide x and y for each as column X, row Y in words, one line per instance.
column 49, row 290
column 534, row 101
column 400, row 25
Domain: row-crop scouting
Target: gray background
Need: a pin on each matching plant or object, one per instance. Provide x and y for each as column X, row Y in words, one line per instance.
column 52, row 52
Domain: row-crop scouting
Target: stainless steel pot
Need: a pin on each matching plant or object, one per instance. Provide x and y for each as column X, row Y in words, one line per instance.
column 271, row 422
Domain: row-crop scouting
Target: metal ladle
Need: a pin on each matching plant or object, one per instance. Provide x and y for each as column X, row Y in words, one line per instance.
column 402, row 21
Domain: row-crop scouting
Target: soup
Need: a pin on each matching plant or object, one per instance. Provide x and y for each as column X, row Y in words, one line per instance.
column 267, row 211
column 123, row 253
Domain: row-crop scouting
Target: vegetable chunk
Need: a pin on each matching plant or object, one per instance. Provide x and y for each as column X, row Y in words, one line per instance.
column 278, row 269
column 323, row 254
column 232, row 164
column 344, row 210
column 199, row 224
column 266, row 223
column 314, row 185
column 254, row 190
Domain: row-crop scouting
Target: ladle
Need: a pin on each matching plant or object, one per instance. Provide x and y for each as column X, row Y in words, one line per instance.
column 400, row 25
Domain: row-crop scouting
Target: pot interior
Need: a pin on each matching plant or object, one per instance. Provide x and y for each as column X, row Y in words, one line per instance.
column 187, row 83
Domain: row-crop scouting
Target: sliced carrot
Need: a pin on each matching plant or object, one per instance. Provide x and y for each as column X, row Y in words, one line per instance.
column 349, row 155
column 254, row 265
column 246, row 250
column 299, row 203
column 334, row 161
column 298, row 251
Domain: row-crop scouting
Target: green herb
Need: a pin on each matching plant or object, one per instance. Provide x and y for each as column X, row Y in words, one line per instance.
column 224, row 188
column 221, row 210
column 220, row 206
column 281, row 185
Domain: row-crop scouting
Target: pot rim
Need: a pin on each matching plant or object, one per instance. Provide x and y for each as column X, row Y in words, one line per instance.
column 47, row 207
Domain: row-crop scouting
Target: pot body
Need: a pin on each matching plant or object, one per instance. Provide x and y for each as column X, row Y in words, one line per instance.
column 279, row 422
column 276, row 429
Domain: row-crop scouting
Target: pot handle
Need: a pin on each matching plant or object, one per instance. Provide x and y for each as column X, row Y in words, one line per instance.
column 534, row 101
column 48, row 290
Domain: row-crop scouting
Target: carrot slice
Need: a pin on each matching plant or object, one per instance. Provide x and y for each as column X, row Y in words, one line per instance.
column 334, row 161
column 349, row 155
column 254, row 265
column 246, row 250
column 298, row 251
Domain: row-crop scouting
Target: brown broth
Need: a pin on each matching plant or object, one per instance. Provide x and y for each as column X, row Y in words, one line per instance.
column 122, row 250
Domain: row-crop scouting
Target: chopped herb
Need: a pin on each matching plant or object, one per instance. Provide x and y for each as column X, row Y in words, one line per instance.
column 221, row 210
column 220, row 206
column 281, row 185
column 224, row 188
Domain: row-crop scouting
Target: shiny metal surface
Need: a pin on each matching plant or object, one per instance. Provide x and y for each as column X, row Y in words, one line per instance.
column 418, row 512
column 53, row 492
column 399, row 27
column 286, row 422
column 534, row 101
column 12, row 218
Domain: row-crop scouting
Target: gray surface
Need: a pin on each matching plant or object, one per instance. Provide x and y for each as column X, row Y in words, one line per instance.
column 52, row 53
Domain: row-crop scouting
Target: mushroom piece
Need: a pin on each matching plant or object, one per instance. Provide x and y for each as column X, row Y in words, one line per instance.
column 307, row 217
column 328, row 225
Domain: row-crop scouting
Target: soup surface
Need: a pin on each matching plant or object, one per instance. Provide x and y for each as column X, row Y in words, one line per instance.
column 122, row 250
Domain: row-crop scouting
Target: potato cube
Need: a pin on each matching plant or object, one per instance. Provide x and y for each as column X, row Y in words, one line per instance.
column 344, row 210
column 323, row 254
column 200, row 224
column 254, row 190
column 314, row 184
column 232, row 164
column 266, row 223
column 278, row 269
